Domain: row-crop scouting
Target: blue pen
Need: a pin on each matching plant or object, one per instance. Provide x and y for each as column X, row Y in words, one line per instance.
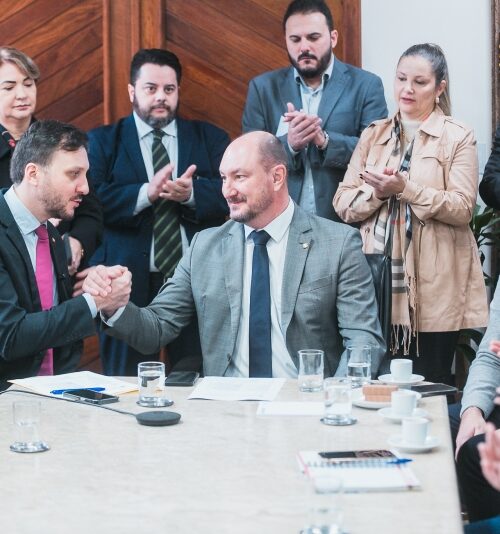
column 61, row 391
column 369, row 462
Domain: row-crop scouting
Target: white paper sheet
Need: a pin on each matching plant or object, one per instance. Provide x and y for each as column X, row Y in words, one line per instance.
column 80, row 379
column 291, row 408
column 233, row 389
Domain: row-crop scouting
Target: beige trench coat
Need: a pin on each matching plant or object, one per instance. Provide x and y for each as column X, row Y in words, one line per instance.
column 442, row 192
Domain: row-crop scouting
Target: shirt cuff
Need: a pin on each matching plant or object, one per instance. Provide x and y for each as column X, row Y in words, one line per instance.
column 190, row 203
column 292, row 151
column 110, row 321
column 142, row 199
column 91, row 302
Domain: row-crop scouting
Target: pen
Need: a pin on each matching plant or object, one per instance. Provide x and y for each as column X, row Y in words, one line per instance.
column 372, row 461
column 61, row 391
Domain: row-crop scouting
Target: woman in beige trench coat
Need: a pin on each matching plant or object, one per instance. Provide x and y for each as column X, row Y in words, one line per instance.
column 426, row 162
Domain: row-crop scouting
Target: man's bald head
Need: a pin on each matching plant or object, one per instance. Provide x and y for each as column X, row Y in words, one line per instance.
column 253, row 170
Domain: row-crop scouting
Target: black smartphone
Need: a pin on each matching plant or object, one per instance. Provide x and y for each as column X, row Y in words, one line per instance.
column 89, row 396
column 182, row 378
column 371, row 453
column 428, row 390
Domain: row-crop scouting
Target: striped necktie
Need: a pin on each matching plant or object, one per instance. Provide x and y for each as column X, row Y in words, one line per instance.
column 166, row 230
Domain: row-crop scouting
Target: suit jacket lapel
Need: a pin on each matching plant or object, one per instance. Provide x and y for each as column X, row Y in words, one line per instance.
column 289, row 91
column 129, row 138
column 297, row 250
column 233, row 256
column 184, row 146
column 60, row 265
column 14, row 236
column 332, row 90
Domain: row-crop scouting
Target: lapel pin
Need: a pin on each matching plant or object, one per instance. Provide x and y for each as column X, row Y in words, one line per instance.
column 305, row 245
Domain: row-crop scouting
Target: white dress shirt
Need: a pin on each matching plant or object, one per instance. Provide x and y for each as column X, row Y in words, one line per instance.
column 311, row 99
column 283, row 365
column 170, row 142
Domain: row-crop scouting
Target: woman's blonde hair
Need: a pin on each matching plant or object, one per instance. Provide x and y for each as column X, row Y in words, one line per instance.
column 23, row 62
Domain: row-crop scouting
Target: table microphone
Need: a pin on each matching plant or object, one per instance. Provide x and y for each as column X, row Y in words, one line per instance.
column 161, row 418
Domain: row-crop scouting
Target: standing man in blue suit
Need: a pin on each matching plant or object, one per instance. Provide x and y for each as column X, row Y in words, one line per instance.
column 318, row 107
column 158, row 181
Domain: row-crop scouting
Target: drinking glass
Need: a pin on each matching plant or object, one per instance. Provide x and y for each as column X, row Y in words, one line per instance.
column 359, row 363
column 151, row 378
column 310, row 370
column 338, row 403
column 26, row 416
column 325, row 515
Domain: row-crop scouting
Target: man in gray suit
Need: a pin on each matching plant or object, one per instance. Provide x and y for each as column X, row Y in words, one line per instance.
column 468, row 420
column 319, row 291
column 318, row 107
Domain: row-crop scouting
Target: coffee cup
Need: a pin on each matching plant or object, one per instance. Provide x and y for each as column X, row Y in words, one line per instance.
column 403, row 402
column 414, row 431
column 401, row 369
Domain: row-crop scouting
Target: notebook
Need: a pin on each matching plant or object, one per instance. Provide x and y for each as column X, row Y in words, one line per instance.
column 370, row 474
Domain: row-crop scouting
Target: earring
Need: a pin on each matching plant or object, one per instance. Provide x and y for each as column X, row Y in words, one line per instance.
column 437, row 99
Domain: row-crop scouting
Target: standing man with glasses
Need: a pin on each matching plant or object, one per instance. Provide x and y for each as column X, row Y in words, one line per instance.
column 158, row 181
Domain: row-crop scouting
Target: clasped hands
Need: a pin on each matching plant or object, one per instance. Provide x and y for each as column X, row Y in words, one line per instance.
column 162, row 185
column 110, row 287
column 303, row 128
column 387, row 183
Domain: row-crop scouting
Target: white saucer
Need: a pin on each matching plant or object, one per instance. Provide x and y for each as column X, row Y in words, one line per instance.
column 397, row 441
column 387, row 414
column 359, row 401
column 388, row 379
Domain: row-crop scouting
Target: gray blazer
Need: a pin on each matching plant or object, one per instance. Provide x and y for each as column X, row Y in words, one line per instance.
column 351, row 100
column 327, row 296
column 484, row 373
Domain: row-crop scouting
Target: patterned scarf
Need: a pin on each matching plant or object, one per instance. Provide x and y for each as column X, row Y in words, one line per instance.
column 397, row 213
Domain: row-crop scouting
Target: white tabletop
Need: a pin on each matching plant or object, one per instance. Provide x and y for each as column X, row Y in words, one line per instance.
column 220, row 470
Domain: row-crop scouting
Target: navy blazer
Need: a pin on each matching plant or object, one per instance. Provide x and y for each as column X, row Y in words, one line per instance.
column 117, row 171
column 352, row 99
column 26, row 331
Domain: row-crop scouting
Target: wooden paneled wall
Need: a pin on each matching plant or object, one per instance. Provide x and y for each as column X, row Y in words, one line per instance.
column 65, row 40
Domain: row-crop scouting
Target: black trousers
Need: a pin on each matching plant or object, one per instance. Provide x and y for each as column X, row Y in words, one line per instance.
column 435, row 355
column 184, row 353
column 481, row 500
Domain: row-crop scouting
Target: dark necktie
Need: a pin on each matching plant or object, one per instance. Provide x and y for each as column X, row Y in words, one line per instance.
column 44, row 282
column 166, row 230
column 260, row 353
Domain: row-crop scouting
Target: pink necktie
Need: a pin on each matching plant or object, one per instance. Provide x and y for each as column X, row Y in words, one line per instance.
column 44, row 281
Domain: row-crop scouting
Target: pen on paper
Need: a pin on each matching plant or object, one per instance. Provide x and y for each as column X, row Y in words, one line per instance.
column 371, row 461
column 61, row 391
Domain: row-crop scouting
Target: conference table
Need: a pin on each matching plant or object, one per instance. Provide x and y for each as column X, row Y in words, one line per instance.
column 222, row 469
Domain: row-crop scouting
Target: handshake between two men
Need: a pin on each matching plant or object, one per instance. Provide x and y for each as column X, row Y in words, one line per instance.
column 110, row 287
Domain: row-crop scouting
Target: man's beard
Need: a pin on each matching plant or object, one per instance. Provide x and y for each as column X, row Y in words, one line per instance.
column 148, row 118
column 312, row 72
column 251, row 213
column 55, row 207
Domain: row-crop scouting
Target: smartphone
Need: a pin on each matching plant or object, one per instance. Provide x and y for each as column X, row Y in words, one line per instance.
column 89, row 396
column 372, row 453
column 181, row 378
column 428, row 390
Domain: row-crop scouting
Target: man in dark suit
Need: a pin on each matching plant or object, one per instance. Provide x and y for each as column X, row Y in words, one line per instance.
column 41, row 326
column 489, row 188
column 318, row 107
column 158, row 181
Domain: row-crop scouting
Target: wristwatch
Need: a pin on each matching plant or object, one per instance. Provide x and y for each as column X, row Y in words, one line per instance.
column 325, row 143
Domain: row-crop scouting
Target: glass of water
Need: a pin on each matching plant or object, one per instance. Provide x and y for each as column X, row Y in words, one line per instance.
column 26, row 415
column 338, row 404
column 151, row 379
column 359, row 363
column 325, row 514
column 311, row 370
